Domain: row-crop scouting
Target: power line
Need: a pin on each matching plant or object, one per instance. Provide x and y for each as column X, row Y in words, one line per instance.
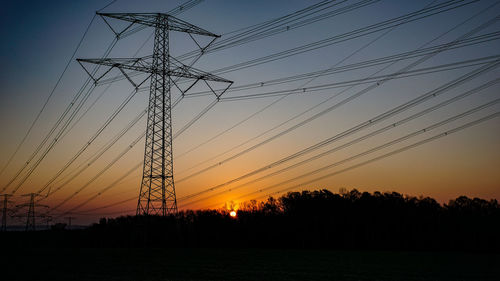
column 368, row 123
column 251, row 28
column 89, row 142
column 112, row 205
column 368, row 30
column 108, row 187
column 282, row 24
column 56, row 125
column 447, row 46
column 369, row 88
column 435, row 137
column 52, row 91
column 316, row 74
column 484, row 38
column 369, row 79
column 101, row 172
column 317, row 115
column 365, row 137
column 94, row 157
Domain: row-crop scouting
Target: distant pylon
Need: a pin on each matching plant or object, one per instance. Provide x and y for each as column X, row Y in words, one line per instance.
column 4, row 210
column 31, row 215
column 157, row 193
column 48, row 219
column 69, row 221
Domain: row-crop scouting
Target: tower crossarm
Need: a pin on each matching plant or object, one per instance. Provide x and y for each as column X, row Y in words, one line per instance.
column 151, row 19
column 145, row 64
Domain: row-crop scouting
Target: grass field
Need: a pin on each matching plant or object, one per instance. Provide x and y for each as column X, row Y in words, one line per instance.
column 243, row 264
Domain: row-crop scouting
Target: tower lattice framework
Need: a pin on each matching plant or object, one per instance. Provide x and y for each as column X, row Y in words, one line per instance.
column 31, row 214
column 157, row 194
column 5, row 208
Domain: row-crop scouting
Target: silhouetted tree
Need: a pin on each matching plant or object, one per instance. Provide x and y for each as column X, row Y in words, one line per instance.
column 312, row 219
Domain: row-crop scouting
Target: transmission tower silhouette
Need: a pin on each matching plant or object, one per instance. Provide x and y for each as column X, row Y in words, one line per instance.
column 157, row 192
column 31, row 215
column 5, row 208
column 70, row 219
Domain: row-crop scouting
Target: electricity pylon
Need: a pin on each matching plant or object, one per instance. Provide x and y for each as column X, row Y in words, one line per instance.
column 48, row 219
column 30, row 217
column 69, row 221
column 157, row 192
column 5, row 208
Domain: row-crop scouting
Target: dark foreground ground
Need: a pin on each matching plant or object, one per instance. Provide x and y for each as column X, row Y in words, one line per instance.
column 243, row 264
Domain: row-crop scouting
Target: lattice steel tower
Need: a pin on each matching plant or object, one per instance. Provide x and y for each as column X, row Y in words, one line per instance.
column 31, row 215
column 157, row 192
column 5, row 208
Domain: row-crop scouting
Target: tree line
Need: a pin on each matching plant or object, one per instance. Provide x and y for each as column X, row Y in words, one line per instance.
column 308, row 219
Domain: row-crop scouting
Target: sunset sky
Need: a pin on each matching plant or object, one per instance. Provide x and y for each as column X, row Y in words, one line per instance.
column 39, row 37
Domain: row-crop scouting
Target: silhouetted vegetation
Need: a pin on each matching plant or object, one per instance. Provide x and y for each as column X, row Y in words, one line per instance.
column 318, row 219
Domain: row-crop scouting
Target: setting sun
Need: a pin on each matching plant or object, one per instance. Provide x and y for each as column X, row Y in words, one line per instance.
column 232, row 214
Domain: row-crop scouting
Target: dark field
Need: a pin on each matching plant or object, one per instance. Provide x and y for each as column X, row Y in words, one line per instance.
column 302, row 236
column 244, row 264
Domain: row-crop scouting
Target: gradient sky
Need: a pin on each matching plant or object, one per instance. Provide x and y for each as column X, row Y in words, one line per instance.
column 40, row 36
